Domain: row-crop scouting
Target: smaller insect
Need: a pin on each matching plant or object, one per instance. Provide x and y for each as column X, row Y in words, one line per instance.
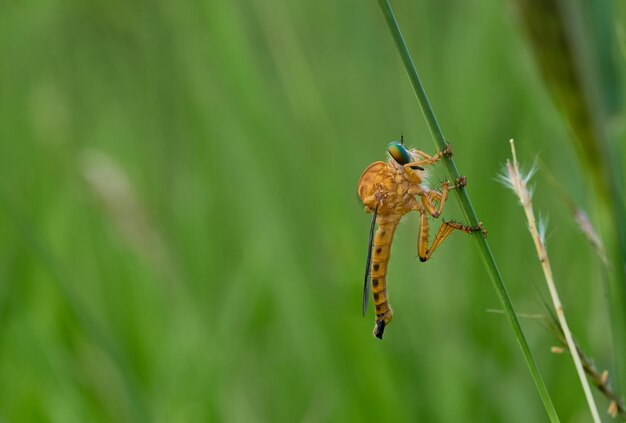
column 389, row 191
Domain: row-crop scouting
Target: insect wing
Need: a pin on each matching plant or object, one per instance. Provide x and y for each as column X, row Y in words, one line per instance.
column 368, row 264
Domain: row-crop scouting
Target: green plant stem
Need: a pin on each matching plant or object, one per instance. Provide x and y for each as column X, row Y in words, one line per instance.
column 467, row 208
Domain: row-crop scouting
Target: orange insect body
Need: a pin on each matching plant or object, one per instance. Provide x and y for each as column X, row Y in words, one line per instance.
column 389, row 191
column 390, row 183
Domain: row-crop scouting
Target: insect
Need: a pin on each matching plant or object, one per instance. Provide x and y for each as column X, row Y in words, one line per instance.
column 389, row 191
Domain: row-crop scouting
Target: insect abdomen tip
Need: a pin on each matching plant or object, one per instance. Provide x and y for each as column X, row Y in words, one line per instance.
column 379, row 329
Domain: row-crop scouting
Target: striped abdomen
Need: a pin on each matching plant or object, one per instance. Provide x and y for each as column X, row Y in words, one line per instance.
column 380, row 258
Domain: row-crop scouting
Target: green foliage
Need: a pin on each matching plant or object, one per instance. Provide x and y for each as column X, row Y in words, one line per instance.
column 573, row 45
column 223, row 282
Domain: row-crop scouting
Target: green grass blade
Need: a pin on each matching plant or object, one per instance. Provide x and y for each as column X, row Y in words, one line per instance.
column 467, row 208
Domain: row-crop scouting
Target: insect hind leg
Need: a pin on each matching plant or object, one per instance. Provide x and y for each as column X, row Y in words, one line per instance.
column 424, row 252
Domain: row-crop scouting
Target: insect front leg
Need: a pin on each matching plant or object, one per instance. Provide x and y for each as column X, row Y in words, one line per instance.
column 427, row 159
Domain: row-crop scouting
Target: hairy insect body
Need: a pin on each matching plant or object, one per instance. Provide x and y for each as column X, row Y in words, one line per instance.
column 388, row 187
column 389, row 191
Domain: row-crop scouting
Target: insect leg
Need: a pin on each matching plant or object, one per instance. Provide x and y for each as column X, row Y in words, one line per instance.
column 422, row 237
column 445, row 230
column 429, row 160
column 429, row 198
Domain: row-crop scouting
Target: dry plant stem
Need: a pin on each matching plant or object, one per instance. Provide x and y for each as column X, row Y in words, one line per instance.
column 518, row 184
column 468, row 210
column 580, row 216
column 601, row 381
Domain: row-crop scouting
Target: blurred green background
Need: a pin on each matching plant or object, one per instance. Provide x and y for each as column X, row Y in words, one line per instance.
column 180, row 236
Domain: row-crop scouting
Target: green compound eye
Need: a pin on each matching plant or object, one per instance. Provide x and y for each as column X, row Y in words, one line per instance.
column 399, row 153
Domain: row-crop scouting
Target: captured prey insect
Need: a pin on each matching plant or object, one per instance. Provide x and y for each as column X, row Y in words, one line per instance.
column 389, row 191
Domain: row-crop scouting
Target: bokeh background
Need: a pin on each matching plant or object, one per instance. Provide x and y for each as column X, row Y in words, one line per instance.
column 180, row 236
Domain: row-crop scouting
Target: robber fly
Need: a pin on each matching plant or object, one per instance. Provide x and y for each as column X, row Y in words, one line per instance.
column 389, row 191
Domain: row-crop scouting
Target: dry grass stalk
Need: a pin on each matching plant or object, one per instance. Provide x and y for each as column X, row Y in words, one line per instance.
column 584, row 223
column 580, row 216
column 599, row 379
column 517, row 182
